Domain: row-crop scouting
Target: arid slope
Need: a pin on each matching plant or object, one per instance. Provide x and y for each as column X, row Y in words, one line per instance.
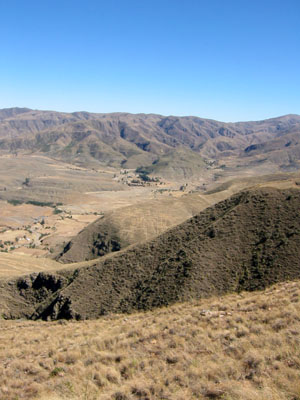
column 133, row 224
column 237, row 347
column 130, row 141
column 146, row 220
column 248, row 241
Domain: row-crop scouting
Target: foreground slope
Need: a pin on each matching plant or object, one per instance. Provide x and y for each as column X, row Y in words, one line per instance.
column 238, row 347
column 248, row 241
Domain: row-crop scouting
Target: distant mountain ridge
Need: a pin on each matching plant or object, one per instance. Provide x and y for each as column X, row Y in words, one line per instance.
column 133, row 140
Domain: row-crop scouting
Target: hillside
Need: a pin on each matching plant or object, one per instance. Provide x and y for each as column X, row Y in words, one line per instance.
column 129, row 225
column 248, row 241
column 146, row 220
column 237, row 347
column 148, row 140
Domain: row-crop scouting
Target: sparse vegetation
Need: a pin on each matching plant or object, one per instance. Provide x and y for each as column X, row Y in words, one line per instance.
column 189, row 261
column 26, row 182
column 41, row 203
column 15, row 202
column 238, row 347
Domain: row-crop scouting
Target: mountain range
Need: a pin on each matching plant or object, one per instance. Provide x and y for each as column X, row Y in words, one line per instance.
column 160, row 143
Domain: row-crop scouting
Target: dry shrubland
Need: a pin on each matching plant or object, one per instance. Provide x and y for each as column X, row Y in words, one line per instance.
column 246, row 242
column 240, row 346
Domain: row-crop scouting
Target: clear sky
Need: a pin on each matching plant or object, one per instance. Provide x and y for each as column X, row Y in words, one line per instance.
column 228, row 60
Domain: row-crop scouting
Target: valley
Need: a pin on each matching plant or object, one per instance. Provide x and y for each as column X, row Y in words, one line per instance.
column 149, row 200
column 135, row 249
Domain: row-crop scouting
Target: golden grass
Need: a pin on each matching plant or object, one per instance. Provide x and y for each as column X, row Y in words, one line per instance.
column 12, row 264
column 241, row 346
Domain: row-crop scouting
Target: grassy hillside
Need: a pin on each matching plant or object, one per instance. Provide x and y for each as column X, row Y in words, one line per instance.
column 146, row 220
column 132, row 224
column 237, row 347
column 248, row 241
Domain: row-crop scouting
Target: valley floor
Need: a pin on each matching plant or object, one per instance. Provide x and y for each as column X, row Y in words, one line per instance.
column 241, row 346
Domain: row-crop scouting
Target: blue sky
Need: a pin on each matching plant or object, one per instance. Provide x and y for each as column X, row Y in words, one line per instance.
column 227, row 60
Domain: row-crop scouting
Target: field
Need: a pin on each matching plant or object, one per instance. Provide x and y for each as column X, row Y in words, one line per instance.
column 238, row 347
column 43, row 203
column 20, row 264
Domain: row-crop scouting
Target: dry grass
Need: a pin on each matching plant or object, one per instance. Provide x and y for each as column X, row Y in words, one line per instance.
column 21, row 264
column 236, row 347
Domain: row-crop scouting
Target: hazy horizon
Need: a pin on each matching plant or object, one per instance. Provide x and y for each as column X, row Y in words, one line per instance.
column 145, row 113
